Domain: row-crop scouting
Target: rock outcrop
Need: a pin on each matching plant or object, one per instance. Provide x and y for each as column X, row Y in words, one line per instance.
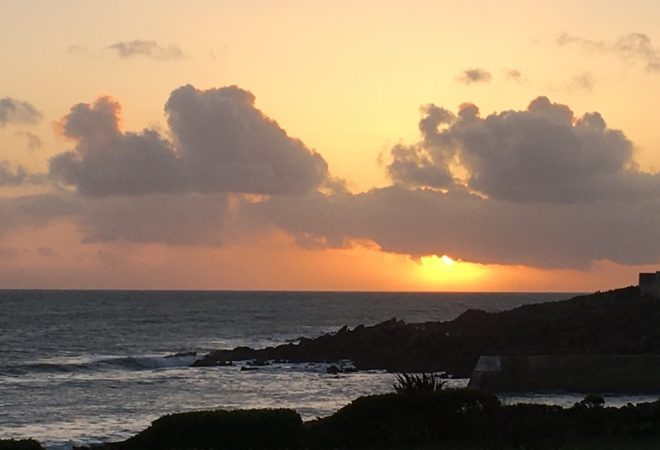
column 619, row 322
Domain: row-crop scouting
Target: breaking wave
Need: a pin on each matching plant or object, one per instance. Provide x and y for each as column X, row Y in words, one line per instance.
column 127, row 363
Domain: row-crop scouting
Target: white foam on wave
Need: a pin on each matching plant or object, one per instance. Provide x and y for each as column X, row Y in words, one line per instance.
column 87, row 364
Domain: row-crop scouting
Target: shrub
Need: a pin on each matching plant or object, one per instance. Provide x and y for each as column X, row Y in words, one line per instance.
column 255, row 429
column 407, row 383
column 397, row 421
column 23, row 444
column 591, row 401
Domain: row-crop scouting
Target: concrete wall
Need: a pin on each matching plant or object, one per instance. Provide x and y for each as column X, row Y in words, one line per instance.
column 649, row 283
column 584, row 374
column 647, row 278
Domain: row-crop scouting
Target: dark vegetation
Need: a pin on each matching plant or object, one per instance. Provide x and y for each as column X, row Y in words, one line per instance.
column 619, row 322
column 412, row 382
column 257, row 429
column 415, row 420
column 23, row 444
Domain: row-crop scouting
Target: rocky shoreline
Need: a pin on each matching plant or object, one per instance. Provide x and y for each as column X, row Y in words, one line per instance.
column 619, row 322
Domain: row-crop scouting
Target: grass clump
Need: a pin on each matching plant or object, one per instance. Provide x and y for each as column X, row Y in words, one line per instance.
column 407, row 383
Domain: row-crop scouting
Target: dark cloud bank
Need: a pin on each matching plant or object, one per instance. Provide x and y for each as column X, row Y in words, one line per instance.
column 538, row 186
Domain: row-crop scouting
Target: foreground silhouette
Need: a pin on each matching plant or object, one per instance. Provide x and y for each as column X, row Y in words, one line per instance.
column 419, row 420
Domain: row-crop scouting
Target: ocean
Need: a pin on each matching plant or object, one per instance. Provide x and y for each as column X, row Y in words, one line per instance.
column 79, row 367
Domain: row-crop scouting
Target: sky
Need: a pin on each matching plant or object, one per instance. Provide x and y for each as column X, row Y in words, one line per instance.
column 371, row 145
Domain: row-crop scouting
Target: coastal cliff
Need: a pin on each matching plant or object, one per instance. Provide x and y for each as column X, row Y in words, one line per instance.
column 619, row 322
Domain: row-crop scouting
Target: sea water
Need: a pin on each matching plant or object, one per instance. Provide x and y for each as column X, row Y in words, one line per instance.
column 79, row 367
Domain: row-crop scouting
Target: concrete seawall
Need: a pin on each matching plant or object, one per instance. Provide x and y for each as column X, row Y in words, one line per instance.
column 574, row 373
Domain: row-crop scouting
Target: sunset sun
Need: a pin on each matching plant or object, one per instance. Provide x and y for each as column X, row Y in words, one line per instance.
column 448, row 272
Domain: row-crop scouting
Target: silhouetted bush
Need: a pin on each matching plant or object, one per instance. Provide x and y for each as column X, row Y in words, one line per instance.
column 401, row 420
column 450, row 418
column 523, row 425
column 407, row 383
column 590, row 401
column 23, row 444
column 255, row 429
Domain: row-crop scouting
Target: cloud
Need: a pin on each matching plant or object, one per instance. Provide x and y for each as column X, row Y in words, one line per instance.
column 230, row 146
column 538, row 186
column 513, row 74
column 413, row 165
column 147, row 49
column 182, row 219
column 8, row 253
column 11, row 175
column 221, row 143
column 33, row 141
column 543, row 153
column 110, row 259
column 421, row 222
column 186, row 219
column 16, row 175
column 79, row 50
column 543, row 187
column 33, row 211
column 474, row 75
column 17, row 111
column 46, row 251
column 516, row 76
column 632, row 47
column 106, row 161
column 583, row 82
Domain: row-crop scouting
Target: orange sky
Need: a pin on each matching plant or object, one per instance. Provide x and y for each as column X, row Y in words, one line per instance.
column 345, row 82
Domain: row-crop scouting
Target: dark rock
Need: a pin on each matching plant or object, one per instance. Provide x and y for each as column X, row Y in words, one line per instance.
column 259, row 363
column 622, row 322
